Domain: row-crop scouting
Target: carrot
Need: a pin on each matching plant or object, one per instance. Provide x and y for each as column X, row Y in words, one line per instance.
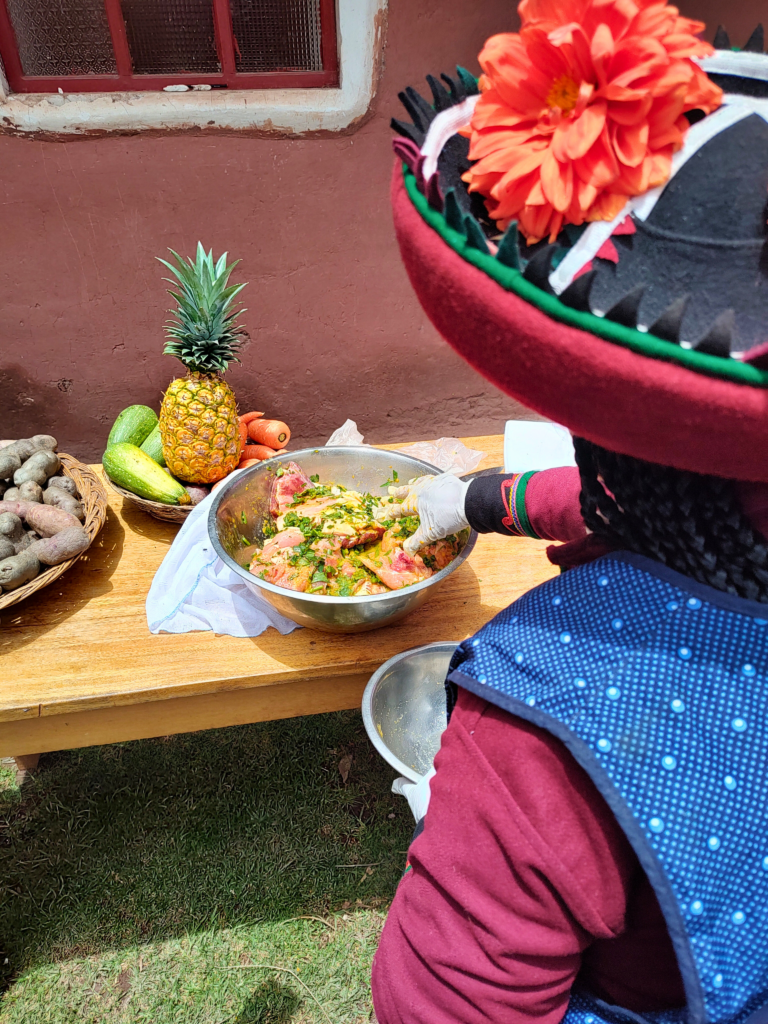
column 258, row 451
column 243, row 436
column 247, row 417
column 249, row 462
column 273, row 433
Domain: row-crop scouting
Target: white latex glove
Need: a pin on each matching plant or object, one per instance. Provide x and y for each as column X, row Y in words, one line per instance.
column 439, row 502
column 416, row 793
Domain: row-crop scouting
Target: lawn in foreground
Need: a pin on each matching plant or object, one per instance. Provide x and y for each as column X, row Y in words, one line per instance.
column 156, row 880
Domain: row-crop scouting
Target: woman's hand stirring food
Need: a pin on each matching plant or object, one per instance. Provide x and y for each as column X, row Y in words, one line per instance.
column 439, row 502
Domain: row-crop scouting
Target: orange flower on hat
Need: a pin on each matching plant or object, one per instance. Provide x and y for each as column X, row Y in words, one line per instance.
column 583, row 109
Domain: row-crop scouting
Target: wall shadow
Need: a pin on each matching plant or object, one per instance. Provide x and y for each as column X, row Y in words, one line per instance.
column 142, row 523
column 89, row 577
column 111, row 847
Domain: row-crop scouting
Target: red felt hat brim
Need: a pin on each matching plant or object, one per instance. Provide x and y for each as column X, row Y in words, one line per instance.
column 617, row 398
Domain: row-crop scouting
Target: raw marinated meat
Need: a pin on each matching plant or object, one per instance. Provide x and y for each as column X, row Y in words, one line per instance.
column 396, row 568
column 336, row 542
column 292, row 481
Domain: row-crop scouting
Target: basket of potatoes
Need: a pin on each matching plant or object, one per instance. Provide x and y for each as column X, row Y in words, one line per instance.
column 51, row 509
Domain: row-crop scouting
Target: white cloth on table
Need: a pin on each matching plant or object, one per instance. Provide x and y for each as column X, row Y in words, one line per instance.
column 193, row 589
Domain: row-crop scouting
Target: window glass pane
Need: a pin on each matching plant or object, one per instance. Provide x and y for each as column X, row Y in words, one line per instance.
column 169, row 37
column 277, row 35
column 62, row 37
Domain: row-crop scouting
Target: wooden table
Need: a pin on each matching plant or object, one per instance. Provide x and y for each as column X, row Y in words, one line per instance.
column 80, row 667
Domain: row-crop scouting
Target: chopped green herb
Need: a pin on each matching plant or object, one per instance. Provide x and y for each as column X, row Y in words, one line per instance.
column 407, row 526
column 347, row 586
column 315, row 478
column 311, row 492
column 280, row 472
column 243, row 518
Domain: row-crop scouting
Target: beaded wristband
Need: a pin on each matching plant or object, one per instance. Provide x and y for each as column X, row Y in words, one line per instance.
column 513, row 495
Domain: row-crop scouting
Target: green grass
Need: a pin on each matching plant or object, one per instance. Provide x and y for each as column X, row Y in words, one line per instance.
column 155, row 881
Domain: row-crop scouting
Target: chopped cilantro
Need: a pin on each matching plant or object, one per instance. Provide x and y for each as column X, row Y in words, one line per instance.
column 280, row 472
column 315, row 478
column 243, row 518
column 311, row 492
column 392, row 482
column 407, row 526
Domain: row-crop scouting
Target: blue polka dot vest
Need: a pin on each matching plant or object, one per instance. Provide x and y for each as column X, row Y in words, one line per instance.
column 659, row 688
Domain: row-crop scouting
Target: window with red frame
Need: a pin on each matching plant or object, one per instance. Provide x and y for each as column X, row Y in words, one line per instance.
column 108, row 45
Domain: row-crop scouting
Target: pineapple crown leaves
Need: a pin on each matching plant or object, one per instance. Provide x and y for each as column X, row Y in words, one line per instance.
column 202, row 332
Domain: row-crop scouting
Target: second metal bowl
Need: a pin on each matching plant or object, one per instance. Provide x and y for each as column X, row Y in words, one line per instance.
column 240, row 511
column 404, row 708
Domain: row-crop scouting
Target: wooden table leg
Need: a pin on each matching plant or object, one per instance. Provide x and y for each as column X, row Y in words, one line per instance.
column 26, row 762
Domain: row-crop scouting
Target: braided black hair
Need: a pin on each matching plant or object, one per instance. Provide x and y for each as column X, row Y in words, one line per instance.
column 690, row 522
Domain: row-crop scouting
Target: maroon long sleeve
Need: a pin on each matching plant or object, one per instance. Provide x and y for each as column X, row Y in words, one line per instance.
column 553, row 504
column 520, row 880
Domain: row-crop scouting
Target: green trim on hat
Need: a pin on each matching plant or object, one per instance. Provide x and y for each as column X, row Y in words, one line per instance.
column 636, row 341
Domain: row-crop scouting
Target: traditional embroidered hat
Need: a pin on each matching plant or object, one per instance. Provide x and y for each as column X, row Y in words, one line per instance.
column 645, row 332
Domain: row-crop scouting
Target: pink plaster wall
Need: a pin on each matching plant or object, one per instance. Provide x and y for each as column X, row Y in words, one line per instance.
column 335, row 329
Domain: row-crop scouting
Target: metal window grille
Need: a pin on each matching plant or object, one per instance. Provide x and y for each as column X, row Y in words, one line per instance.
column 104, row 45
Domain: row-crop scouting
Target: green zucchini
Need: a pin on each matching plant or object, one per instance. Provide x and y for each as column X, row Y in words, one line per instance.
column 131, row 468
column 153, row 446
column 133, row 425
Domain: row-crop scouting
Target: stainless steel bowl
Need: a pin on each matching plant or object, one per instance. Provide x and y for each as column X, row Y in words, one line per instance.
column 404, row 708
column 240, row 511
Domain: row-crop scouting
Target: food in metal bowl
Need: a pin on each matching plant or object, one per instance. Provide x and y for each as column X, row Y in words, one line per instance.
column 329, row 539
column 240, row 519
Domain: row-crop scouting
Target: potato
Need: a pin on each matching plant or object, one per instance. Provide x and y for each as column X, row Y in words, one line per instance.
column 38, row 467
column 17, row 508
column 18, row 570
column 30, row 491
column 197, row 493
column 57, row 549
column 26, row 539
column 61, row 499
column 11, row 527
column 45, row 519
column 10, row 451
column 64, row 483
column 6, row 548
column 45, row 441
column 12, row 494
column 10, row 462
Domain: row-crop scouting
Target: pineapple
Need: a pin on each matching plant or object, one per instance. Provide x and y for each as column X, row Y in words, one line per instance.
column 198, row 419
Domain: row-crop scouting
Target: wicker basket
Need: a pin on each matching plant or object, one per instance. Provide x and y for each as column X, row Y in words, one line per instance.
column 94, row 499
column 158, row 509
